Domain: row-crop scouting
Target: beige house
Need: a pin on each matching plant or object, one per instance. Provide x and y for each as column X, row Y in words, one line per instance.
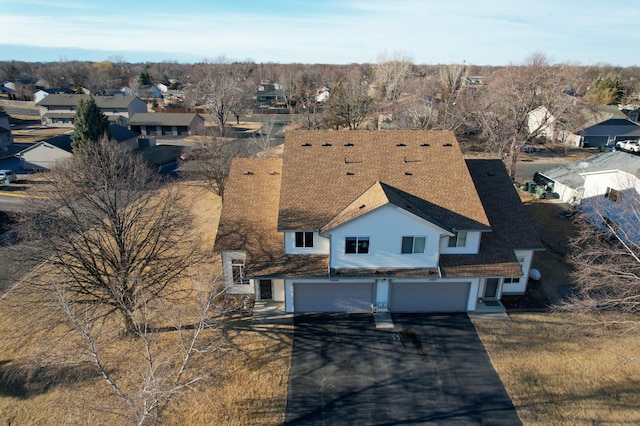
column 374, row 221
column 6, row 138
column 45, row 154
column 59, row 110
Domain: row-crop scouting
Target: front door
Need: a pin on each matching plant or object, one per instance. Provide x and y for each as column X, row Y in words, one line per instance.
column 265, row 290
column 490, row 288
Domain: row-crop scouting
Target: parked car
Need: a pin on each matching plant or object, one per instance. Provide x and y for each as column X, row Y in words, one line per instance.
column 7, row 176
column 631, row 146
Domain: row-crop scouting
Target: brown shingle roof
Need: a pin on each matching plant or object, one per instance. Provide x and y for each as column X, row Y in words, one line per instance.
column 324, row 172
column 249, row 218
column 511, row 224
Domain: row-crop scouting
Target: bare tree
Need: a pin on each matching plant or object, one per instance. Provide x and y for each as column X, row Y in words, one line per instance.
column 262, row 138
column 211, row 162
column 160, row 357
column 390, row 74
column 217, row 88
column 349, row 103
column 606, row 257
column 118, row 239
column 513, row 93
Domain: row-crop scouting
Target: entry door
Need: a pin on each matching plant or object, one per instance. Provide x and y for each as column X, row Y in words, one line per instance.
column 266, row 292
column 491, row 288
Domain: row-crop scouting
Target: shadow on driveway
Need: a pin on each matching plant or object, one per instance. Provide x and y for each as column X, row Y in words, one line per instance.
column 430, row 369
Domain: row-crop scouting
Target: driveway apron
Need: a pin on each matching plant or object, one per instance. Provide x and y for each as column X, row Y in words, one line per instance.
column 429, row 369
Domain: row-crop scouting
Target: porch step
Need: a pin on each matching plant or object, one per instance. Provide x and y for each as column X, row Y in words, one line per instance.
column 383, row 320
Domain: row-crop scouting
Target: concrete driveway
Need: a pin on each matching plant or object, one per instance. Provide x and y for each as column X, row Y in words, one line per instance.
column 429, row 369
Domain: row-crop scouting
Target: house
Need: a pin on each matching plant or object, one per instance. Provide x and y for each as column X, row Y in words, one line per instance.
column 365, row 221
column 606, row 185
column 40, row 94
column 44, row 154
column 59, row 110
column 170, row 123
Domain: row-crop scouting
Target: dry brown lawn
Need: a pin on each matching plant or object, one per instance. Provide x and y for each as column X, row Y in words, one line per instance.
column 560, row 373
column 47, row 378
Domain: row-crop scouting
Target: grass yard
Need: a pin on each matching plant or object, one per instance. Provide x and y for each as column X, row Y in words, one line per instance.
column 47, row 378
column 559, row 373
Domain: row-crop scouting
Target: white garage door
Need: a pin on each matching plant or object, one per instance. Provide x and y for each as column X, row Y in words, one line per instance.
column 332, row 297
column 429, row 297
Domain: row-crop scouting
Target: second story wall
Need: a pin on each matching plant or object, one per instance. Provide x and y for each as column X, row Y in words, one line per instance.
column 375, row 240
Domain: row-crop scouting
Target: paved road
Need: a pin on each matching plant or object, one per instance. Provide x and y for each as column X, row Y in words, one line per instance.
column 432, row 369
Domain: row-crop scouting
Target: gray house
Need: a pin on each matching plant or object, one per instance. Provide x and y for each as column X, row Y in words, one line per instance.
column 59, row 110
column 45, row 154
column 609, row 132
column 170, row 124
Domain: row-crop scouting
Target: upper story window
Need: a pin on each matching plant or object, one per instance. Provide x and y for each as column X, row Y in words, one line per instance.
column 304, row 239
column 356, row 245
column 458, row 239
column 413, row 245
column 237, row 271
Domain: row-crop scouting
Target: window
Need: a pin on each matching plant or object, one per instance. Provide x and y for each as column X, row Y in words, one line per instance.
column 512, row 280
column 237, row 270
column 612, row 195
column 304, row 239
column 356, row 245
column 459, row 239
column 413, row 245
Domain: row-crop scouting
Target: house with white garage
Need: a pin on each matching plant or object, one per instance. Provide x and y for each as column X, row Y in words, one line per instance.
column 374, row 221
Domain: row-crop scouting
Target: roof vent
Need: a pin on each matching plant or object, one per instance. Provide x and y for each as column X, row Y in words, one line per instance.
column 409, row 207
column 362, row 206
column 350, row 174
column 306, row 144
column 408, row 174
column 401, row 144
column 424, row 144
column 248, row 173
column 348, row 144
column 446, row 144
column 326, row 144
column 273, row 173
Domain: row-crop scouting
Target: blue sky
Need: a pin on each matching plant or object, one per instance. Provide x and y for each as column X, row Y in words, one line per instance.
column 488, row 32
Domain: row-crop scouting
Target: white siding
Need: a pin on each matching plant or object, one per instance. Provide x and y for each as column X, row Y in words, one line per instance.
column 321, row 245
column 385, row 228
column 471, row 247
column 43, row 157
column 597, row 183
column 520, row 287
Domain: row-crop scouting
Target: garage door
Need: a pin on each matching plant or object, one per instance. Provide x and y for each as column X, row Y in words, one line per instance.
column 429, row 297
column 332, row 297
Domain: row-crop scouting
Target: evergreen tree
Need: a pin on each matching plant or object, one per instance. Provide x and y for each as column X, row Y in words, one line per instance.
column 90, row 124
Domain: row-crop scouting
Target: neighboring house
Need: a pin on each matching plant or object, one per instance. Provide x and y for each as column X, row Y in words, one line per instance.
column 171, row 123
column 59, row 110
column 42, row 93
column 367, row 221
column 610, row 131
column 606, row 185
column 543, row 123
column 6, row 138
column 45, row 154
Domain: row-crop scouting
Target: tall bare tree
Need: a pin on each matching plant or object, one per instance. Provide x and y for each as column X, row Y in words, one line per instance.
column 211, row 162
column 217, row 88
column 118, row 239
column 390, row 73
column 512, row 93
column 349, row 103
column 606, row 257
